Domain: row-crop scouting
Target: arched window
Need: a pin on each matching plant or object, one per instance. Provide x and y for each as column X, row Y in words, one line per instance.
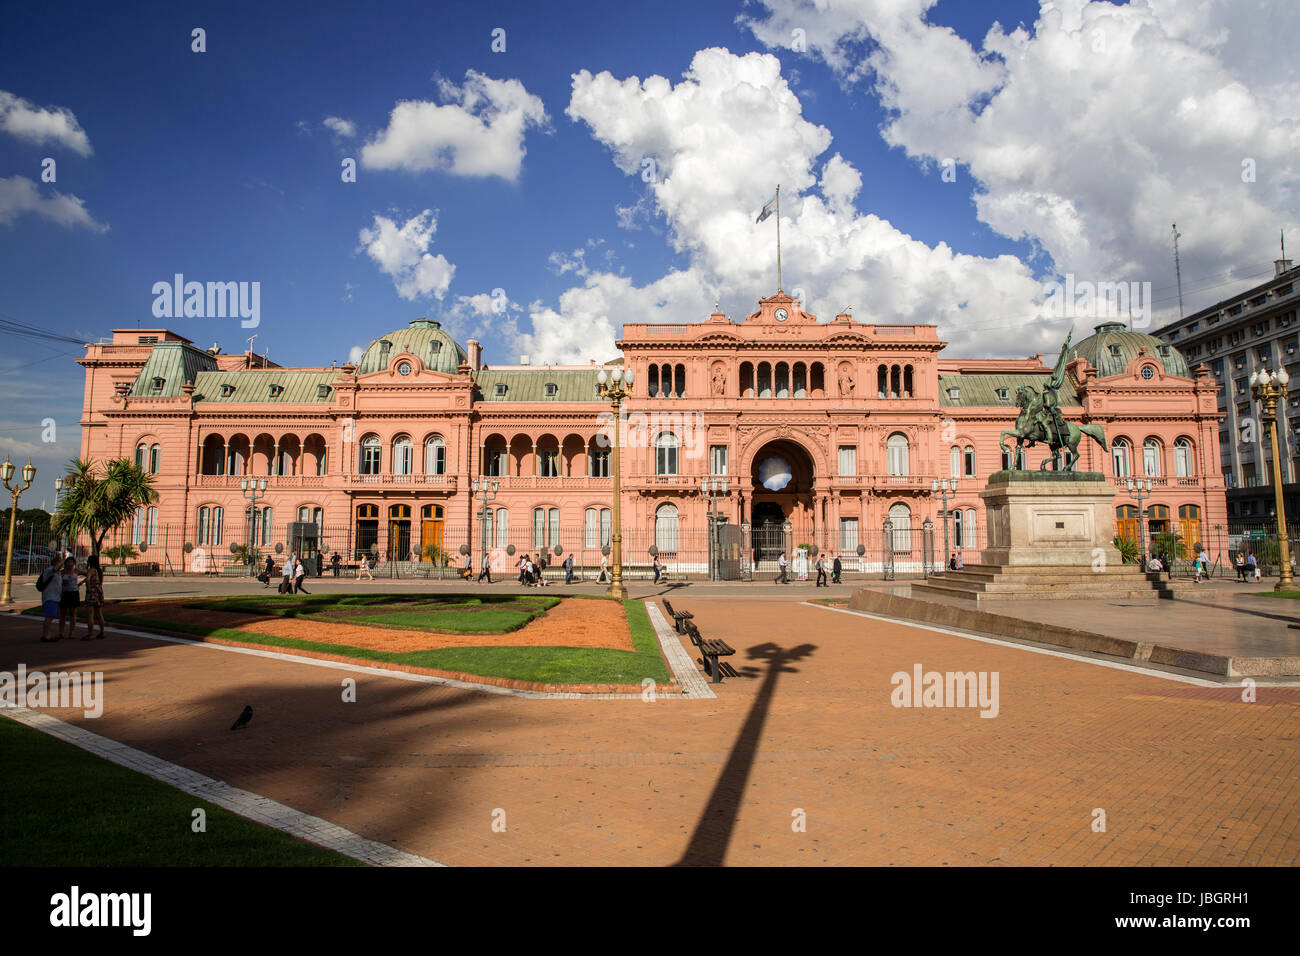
column 907, row 381
column 900, row 516
column 155, row 459
column 681, row 381
column 800, row 380
column 435, row 456
column 210, row 525
column 1183, row 463
column 968, row 460
column 267, row 524
column 1121, row 455
column 896, row 454
column 1012, row 458
column 652, row 381
column 958, row 524
column 895, row 381
column 782, row 380
column 666, row 528
column 1126, row 522
column 954, row 461
column 1189, row 528
column 368, row 459
column 403, row 456
column 139, row 456
column 1151, row 458
column 666, row 454
column 764, row 380
column 882, row 381
column 970, row 528
column 502, row 527
column 747, row 379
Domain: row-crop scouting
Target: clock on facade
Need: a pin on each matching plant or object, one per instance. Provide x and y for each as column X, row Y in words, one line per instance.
column 782, row 315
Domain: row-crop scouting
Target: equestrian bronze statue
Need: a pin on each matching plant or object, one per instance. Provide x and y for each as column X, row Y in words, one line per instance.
column 1041, row 420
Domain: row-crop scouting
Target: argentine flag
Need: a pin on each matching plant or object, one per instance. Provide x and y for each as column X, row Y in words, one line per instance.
column 767, row 210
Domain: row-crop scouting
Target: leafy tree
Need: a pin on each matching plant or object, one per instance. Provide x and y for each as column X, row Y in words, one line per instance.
column 99, row 498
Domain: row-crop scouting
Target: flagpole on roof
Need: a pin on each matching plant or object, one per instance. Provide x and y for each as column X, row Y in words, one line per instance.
column 778, row 237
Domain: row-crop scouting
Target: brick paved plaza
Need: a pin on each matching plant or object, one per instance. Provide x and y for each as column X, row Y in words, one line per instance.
column 1186, row 774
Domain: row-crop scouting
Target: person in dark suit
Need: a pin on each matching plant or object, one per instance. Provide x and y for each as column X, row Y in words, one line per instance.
column 335, row 561
column 320, row 564
column 837, row 566
column 269, row 571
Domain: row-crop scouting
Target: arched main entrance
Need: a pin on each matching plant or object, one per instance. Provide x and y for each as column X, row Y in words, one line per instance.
column 781, row 489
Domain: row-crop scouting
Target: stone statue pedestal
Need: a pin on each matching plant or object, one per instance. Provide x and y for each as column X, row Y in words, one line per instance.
column 1050, row 537
column 1049, row 519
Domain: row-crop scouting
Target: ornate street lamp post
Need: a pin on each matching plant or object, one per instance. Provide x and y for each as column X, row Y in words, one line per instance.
column 7, row 472
column 714, row 489
column 944, row 490
column 616, row 385
column 1267, row 389
column 252, row 490
column 486, row 492
column 1141, row 490
column 58, row 496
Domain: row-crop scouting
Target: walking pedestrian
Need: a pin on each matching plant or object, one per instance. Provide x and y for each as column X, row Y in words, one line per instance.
column 364, row 568
column 837, row 568
column 659, row 569
column 334, row 563
column 604, row 568
column 781, row 564
column 568, row 568
column 1252, row 566
column 299, row 575
column 268, row 572
column 1241, row 566
column 486, row 570
column 320, row 563
column 467, row 571
column 821, row 572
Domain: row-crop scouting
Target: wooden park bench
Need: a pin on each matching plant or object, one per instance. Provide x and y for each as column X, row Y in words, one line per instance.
column 710, row 651
column 679, row 617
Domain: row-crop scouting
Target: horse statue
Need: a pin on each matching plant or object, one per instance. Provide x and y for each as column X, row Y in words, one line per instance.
column 1039, row 423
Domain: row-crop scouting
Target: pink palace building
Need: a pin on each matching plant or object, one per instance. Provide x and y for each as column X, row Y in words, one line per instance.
column 823, row 430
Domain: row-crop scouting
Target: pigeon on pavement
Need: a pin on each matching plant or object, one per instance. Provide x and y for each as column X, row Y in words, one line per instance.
column 243, row 719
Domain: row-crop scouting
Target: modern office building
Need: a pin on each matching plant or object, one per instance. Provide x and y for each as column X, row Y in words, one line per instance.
column 1254, row 330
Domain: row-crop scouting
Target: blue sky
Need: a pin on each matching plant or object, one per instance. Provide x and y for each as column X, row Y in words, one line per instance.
column 218, row 165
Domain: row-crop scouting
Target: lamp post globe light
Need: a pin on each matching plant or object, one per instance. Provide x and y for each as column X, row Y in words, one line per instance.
column 486, row 492
column 252, row 489
column 1141, row 490
column 616, row 385
column 1267, row 388
column 944, row 488
column 7, row 473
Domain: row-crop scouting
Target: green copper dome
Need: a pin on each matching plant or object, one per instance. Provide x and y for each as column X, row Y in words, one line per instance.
column 423, row 338
column 1113, row 346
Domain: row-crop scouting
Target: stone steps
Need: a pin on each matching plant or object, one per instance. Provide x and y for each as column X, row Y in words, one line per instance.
column 983, row 583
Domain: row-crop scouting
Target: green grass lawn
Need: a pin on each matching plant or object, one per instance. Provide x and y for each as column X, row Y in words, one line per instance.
column 1292, row 594
column 63, row 806
column 452, row 614
column 550, row 665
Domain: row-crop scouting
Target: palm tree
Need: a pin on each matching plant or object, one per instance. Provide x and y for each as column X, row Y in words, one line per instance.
column 96, row 500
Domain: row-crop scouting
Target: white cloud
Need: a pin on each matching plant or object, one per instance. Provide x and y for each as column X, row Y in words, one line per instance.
column 355, row 353
column 37, row 125
column 1092, row 131
column 18, row 195
column 340, row 127
column 477, row 131
column 722, row 138
column 402, row 252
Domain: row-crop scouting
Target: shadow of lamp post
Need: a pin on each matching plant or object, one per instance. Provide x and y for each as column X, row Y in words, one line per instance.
column 7, row 472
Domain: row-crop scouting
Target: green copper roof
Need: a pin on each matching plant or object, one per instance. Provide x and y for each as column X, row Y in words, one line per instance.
column 175, row 363
column 571, row 385
column 981, row 390
column 1110, row 349
column 254, row 385
column 423, row 338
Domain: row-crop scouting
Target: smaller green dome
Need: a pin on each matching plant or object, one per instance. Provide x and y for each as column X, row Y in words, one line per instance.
column 1112, row 346
column 423, row 338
